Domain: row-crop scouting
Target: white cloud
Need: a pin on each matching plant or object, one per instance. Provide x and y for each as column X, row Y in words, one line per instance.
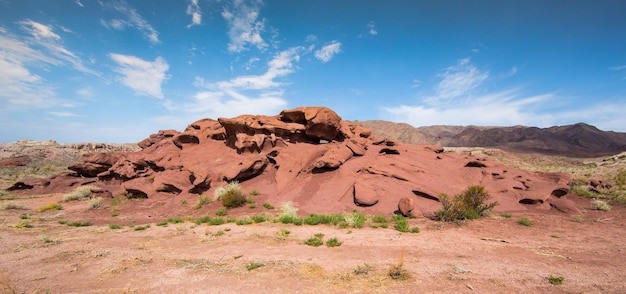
column 193, row 9
column 79, row 3
column 144, row 77
column 459, row 79
column 280, row 66
column 327, row 52
column 416, row 83
column 244, row 28
column 617, row 67
column 372, row 28
column 63, row 113
column 131, row 19
column 86, row 92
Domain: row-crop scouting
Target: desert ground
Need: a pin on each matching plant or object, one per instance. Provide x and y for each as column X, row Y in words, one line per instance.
column 554, row 252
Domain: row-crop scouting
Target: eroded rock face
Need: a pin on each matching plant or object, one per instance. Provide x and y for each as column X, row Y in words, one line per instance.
column 311, row 157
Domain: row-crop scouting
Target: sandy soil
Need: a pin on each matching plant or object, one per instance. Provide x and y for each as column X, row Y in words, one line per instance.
column 491, row 255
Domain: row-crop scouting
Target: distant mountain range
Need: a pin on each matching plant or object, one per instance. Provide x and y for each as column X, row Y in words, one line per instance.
column 578, row 140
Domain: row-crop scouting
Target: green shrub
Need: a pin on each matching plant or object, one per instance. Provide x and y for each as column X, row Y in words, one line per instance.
column 243, row 222
column 203, row 220
column 601, row 204
column 183, row 202
column 326, row 219
column 314, row 241
column 221, row 212
column 162, row 224
column 333, row 242
column 470, row 204
column 175, row 220
column 78, row 224
column 141, row 228
column 401, row 224
column 525, row 222
column 354, row 219
column 114, row 226
column 380, row 220
column 80, row 193
column 202, row 200
column 415, row 230
column 554, row 280
column 254, row 192
column 506, row 215
column 267, row 205
column 23, row 224
column 50, row 206
column 216, row 221
column 231, row 195
column 398, row 273
column 253, row 265
column 259, row 218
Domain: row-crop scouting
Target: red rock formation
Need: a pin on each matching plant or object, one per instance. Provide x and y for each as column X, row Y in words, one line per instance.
column 311, row 157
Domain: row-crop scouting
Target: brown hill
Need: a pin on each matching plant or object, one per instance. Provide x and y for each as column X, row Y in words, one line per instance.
column 308, row 156
column 578, row 140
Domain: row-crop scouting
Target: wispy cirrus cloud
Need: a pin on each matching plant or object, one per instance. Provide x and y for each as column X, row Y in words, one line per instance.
column 459, row 79
column 20, row 58
column 372, row 28
column 144, row 77
column 326, row 53
column 193, row 9
column 131, row 18
column 244, row 28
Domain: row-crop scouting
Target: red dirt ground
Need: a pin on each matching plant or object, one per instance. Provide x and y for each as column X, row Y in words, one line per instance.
column 490, row 255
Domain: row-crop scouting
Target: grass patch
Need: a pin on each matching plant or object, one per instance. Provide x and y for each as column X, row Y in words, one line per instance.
column 354, row 219
column 203, row 220
column 162, row 224
column 525, row 222
column 115, row 226
column 601, row 205
column 216, row 221
column 230, row 195
column 254, row 265
column 175, row 220
column 398, row 273
column 333, row 242
column 556, row 280
column 402, row 225
column 23, row 224
column 258, row 218
column 95, row 203
column 243, row 222
column 315, row 241
column 267, row 205
column 80, row 193
column 363, row 269
column 470, row 204
column 13, row 206
column 141, row 228
column 202, row 200
column 50, row 206
column 283, row 234
column 506, row 215
column 221, row 212
column 380, row 220
column 49, row 240
column 578, row 219
column 75, row 224
column 254, row 192
column 183, row 202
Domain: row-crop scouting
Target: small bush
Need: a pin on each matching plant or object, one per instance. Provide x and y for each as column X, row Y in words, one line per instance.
column 259, row 218
column 415, row 230
column 231, row 195
column 333, row 242
column 183, row 202
column 114, row 226
column 253, row 265
column 363, row 269
column 80, row 193
column 203, row 220
column 355, row 219
column 216, row 221
column 283, row 234
column 23, row 224
column 49, row 240
column 175, row 220
column 402, row 225
column 525, row 222
column 288, row 211
column 601, row 205
column 315, row 241
column 95, row 203
column 398, row 273
column 221, row 212
column 578, row 219
column 506, row 215
column 556, row 280
column 78, row 224
column 141, row 228
column 202, row 200
column 254, row 192
column 380, row 220
column 162, row 224
column 267, row 205
column 50, row 206
column 13, row 205
column 470, row 204
column 243, row 222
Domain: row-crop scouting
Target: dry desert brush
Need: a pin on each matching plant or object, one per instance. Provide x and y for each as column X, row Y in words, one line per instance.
column 470, row 204
column 231, row 195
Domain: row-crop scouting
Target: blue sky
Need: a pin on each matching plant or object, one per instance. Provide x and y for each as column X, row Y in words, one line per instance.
column 117, row 71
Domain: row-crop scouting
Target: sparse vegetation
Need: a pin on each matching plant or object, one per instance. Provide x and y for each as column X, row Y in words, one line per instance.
column 289, row 214
column 216, row 221
column 13, row 205
column 254, row 192
column 49, row 240
column 115, row 226
column 354, row 219
column 470, row 204
column 175, row 220
column 363, row 269
column 221, row 212
column 315, row 241
column 50, row 206
column 95, row 203
column 254, row 265
column 578, row 219
column 80, row 193
column 75, row 224
column 398, row 272
column 283, row 233
column 23, row 224
column 183, row 202
column 203, row 220
column 162, row 224
column 141, row 228
column 267, row 205
column 506, row 215
column 230, row 195
column 333, row 242
column 259, row 218
column 601, row 205
column 380, row 220
column 525, row 222
column 556, row 280
column 202, row 200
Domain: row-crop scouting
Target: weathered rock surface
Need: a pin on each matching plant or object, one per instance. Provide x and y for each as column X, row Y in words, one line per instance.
column 309, row 156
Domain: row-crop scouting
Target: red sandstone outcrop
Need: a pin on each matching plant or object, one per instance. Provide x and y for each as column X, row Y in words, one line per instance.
column 311, row 157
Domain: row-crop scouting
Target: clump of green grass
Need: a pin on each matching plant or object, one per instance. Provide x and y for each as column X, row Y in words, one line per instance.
column 175, row 220
column 254, row 265
column 221, row 212
column 50, row 206
column 162, row 224
column 183, row 202
column 601, row 205
column 231, row 195
column 254, row 192
column 243, row 222
column 333, row 242
column 216, row 221
column 354, row 219
column 13, row 206
column 267, row 205
column 556, row 280
column 525, row 222
column 363, row 269
column 251, row 203
column 402, row 224
column 315, row 241
column 76, row 224
column 470, row 204
column 202, row 200
column 23, row 224
column 506, row 215
column 141, row 228
column 258, row 218
column 49, row 240
column 203, row 220
column 289, row 214
column 95, row 203
column 283, row 233
column 380, row 220
column 326, row 219
column 578, row 219
column 115, row 226
column 80, row 193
